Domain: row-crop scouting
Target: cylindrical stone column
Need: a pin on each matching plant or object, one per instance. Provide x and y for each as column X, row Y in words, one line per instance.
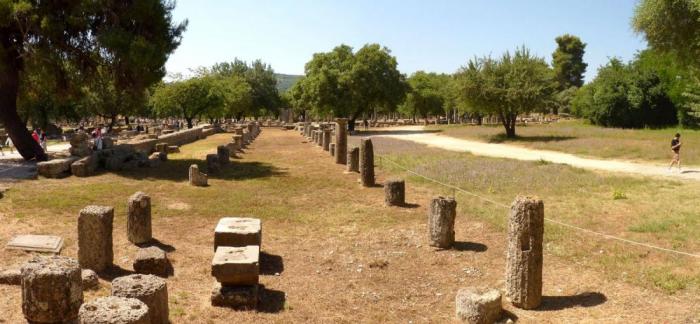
column 366, row 162
column 52, row 289
column 441, row 222
column 319, row 137
column 326, row 139
column 354, row 159
column 114, row 310
column 341, row 140
column 524, row 257
column 138, row 220
column 151, row 290
column 331, row 149
column 224, row 154
column 395, row 192
column 95, row 237
column 213, row 165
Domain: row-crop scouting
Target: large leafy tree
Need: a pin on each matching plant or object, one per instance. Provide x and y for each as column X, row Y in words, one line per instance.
column 195, row 97
column 568, row 66
column 341, row 83
column 134, row 36
column 671, row 26
column 261, row 82
column 427, row 95
column 507, row 87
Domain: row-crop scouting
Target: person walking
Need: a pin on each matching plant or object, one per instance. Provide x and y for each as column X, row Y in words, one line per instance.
column 42, row 141
column 98, row 138
column 676, row 148
column 35, row 135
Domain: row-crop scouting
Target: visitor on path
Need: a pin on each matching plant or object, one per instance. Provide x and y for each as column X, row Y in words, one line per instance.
column 676, row 148
column 42, row 140
column 365, row 123
column 98, row 138
column 35, row 135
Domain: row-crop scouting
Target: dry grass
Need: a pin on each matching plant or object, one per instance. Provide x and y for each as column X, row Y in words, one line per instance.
column 333, row 252
column 578, row 137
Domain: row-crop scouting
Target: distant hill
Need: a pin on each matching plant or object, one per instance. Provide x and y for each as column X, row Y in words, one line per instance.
column 286, row 81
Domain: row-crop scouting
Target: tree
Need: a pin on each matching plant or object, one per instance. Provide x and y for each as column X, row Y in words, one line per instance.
column 568, row 66
column 138, row 36
column 671, row 26
column 261, row 81
column 426, row 95
column 509, row 86
column 191, row 98
column 341, row 83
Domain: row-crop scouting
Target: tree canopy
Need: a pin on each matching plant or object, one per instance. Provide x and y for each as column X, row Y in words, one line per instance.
column 427, row 95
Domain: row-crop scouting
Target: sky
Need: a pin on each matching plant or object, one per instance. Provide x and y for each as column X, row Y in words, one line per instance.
column 435, row 36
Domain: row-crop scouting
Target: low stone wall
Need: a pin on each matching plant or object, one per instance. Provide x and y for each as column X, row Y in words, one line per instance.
column 183, row 137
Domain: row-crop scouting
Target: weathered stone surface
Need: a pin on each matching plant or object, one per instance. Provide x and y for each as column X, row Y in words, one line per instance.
column 236, row 297
column 162, row 148
column 326, row 139
column 154, row 159
column 89, row 279
column 441, row 222
column 56, row 168
column 213, row 165
column 152, row 260
column 151, row 290
column 236, row 265
column 95, row 237
column 478, row 306
column 80, row 145
column 51, row 289
column 11, row 277
column 353, row 161
column 84, row 167
column 331, row 149
column 238, row 232
column 33, row 242
column 367, row 162
column 232, row 148
column 114, row 310
column 197, row 178
column 138, row 219
column 524, row 256
column 341, row 140
column 395, row 192
column 223, row 154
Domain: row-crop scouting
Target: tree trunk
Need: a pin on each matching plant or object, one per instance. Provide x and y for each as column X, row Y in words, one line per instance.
column 126, row 120
column 9, row 88
column 189, row 122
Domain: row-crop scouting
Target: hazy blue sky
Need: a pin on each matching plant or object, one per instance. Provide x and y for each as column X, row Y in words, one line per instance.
column 436, row 35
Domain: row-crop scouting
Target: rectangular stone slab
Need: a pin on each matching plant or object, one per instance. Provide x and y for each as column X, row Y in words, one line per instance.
column 38, row 243
column 236, row 265
column 238, row 231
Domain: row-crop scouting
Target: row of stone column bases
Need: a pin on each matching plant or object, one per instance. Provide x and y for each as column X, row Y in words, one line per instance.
column 525, row 229
column 243, row 136
column 52, row 286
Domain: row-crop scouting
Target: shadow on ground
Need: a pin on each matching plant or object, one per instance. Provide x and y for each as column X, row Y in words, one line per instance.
column 155, row 242
column 586, row 299
column 469, row 246
column 501, row 138
column 114, row 272
column 271, row 301
column 271, row 264
column 178, row 170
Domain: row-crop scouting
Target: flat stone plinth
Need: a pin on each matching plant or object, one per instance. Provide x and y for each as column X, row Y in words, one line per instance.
column 236, row 265
column 238, row 231
column 236, row 297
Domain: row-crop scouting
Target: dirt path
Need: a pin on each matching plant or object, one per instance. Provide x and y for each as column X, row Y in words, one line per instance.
column 417, row 135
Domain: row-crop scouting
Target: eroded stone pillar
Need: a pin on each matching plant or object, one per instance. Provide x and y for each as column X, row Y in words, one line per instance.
column 51, row 289
column 524, row 257
column 341, row 140
column 441, row 222
column 366, row 162
column 326, row 139
column 395, row 192
column 151, row 290
column 95, row 237
column 354, row 160
column 138, row 220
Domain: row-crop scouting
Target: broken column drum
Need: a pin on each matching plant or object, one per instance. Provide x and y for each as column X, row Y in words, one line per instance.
column 52, row 289
column 213, row 165
column 151, row 290
column 331, row 149
column 341, row 140
column 197, row 179
column 95, row 237
column 223, row 154
column 395, row 192
column 441, row 222
column 138, row 221
column 478, row 305
column 524, row 255
column 353, row 160
column 366, row 162
column 326, row 139
column 115, row 310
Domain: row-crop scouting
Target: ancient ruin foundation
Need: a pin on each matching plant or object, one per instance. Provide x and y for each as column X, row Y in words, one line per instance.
column 51, row 289
column 524, row 257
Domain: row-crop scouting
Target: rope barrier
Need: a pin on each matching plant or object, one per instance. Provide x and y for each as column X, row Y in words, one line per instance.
column 502, row 205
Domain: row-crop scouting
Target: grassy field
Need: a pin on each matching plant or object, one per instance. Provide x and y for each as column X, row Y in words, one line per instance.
column 578, row 137
column 659, row 212
column 332, row 252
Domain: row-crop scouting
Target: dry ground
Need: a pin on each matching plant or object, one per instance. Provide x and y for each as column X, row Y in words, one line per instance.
column 332, row 251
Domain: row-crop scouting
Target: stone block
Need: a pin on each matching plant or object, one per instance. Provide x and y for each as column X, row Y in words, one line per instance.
column 478, row 306
column 236, row 297
column 11, row 277
column 197, row 179
column 84, row 167
column 238, row 232
column 213, row 165
column 138, row 220
column 152, row 260
column 56, row 168
column 151, row 290
column 236, row 265
column 95, row 237
column 89, row 279
column 51, row 289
